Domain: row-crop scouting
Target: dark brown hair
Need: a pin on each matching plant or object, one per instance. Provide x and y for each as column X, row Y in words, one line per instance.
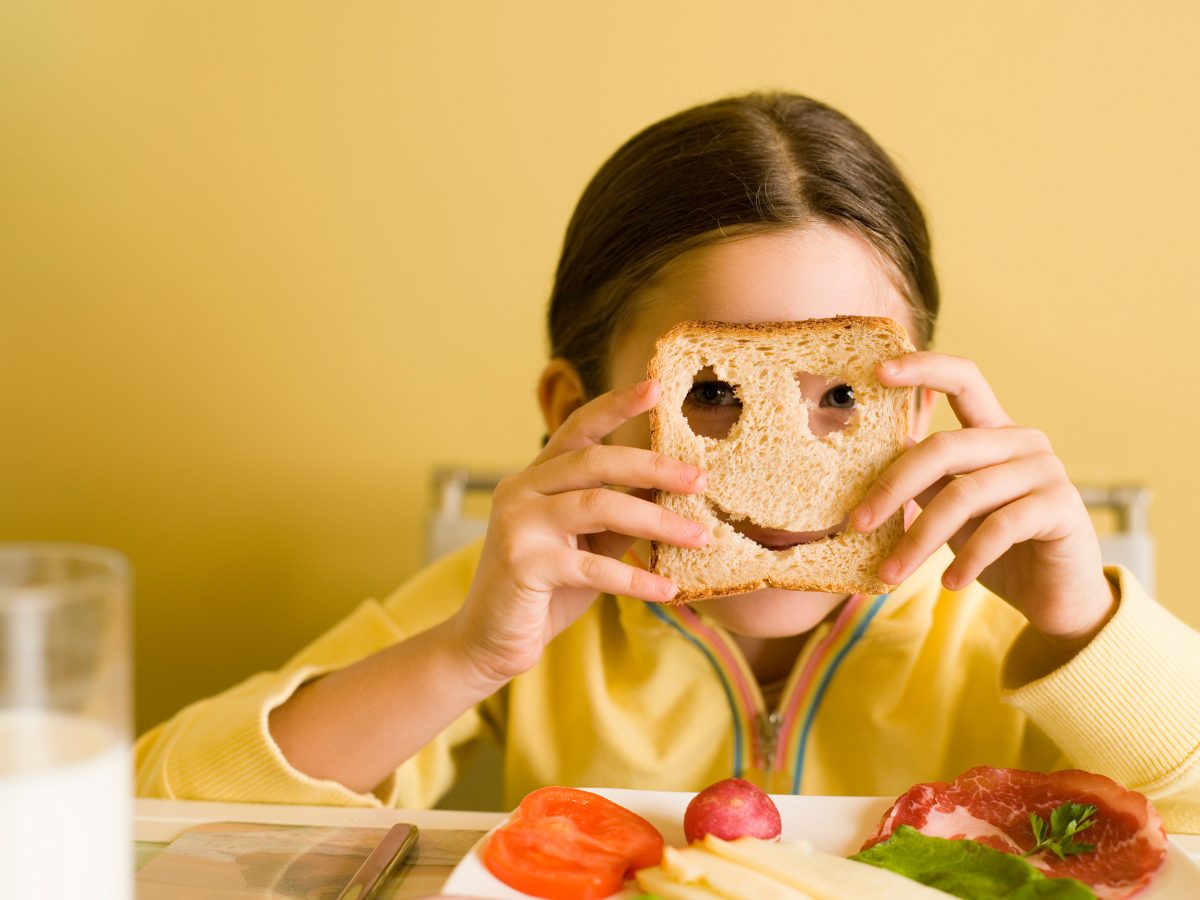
column 753, row 163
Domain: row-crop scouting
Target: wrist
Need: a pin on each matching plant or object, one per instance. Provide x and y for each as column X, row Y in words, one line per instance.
column 468, row 661
column 1062, row 647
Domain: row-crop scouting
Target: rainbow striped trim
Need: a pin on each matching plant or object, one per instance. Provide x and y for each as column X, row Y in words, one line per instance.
column 741, row 688
column 802, row 696
column 802, row 699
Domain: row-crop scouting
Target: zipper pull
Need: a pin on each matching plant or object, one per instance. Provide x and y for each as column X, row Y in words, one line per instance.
column 768, row 737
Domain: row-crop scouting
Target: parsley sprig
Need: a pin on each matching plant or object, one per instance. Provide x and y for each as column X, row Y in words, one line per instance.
column 1059, row 837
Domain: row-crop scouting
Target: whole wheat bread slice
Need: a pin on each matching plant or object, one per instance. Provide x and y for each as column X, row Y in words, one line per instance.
column 771, row 469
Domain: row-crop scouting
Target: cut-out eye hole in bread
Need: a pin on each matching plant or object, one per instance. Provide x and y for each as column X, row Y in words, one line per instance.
column 792, row 427
column 712, row 407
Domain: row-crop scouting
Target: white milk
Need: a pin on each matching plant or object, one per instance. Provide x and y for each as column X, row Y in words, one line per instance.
column 65, row 808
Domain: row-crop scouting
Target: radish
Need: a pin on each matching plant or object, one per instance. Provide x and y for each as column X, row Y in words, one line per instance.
column 731, row 809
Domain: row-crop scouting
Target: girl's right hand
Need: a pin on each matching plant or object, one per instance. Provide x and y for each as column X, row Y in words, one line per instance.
column 558, row 530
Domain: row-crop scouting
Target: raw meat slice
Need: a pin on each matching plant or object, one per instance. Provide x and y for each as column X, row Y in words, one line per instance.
column 992, row 806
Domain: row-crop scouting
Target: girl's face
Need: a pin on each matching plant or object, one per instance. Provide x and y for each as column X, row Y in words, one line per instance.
column 804, row 273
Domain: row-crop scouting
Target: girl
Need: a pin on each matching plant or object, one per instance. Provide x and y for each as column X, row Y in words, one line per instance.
column 1007, row 643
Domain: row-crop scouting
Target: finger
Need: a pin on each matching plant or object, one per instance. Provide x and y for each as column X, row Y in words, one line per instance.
column 971, row 397
column 924, row 498
column 580, row 569
column 939, row 455
column 599, row 464
column 600, row 509
column 958, row 504
column 600, row 417
column 1030, row 518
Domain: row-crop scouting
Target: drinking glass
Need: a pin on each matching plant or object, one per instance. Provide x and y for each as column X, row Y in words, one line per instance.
column 65, row 780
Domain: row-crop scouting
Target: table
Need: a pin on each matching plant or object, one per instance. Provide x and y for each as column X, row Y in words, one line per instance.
column 445, row 836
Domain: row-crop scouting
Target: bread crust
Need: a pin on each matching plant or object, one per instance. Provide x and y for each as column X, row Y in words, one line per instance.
column 788, row 576
column 799, row 326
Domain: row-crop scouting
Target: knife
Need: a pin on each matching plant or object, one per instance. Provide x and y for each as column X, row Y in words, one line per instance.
column 383, row 859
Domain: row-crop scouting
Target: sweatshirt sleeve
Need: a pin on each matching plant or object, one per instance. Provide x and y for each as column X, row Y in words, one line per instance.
column 221, row 749
column 1127, row 705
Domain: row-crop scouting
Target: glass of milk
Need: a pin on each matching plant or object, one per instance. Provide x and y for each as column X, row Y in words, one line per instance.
column 65, row 780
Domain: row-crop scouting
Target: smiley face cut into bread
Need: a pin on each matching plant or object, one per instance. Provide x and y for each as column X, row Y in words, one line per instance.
column 792, row 427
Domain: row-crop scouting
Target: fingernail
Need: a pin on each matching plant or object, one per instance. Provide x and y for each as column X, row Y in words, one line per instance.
column 691, row 474
column 644, row 388
column 950, row 581
column 667, row 589
column 887, row 367
column 862, row 517
column 889, row 570
column 694, row 529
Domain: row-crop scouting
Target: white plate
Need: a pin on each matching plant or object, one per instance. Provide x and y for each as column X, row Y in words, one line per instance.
column 832, row 824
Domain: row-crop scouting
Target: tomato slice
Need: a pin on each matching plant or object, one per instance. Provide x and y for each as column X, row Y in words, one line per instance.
column 544, row 858
column 568, row 844
column 615, row 827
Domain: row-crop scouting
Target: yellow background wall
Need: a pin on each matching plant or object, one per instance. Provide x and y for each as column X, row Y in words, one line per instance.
column 264, row 265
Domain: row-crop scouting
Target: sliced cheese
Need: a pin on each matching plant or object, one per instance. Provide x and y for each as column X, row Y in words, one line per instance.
column 821, row 875
column 728, row 879
column 656, row 881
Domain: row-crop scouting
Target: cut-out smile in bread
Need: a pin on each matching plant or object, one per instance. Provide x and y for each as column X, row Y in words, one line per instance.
column 773, row 538
column 792, row 427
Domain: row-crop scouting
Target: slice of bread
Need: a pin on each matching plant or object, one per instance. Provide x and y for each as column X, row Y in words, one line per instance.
column 771, row 474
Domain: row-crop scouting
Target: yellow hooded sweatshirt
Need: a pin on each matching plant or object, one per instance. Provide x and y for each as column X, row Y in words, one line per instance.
column 917, row 685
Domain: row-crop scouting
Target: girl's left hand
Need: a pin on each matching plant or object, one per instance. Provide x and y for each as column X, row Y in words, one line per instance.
column 997, row 494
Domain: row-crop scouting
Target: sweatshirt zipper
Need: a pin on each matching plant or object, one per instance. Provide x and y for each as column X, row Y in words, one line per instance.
column 757, row 732
column 769, row 724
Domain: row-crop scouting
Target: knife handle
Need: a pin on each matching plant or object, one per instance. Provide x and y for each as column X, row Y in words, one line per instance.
column 383, row 859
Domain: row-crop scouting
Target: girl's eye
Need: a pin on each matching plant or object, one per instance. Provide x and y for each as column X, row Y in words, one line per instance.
column 713, row 393
column 840, row 397
column 711, row 406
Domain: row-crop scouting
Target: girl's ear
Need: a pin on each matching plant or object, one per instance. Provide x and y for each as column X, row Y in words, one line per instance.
column 560, row 392
column 921, row 414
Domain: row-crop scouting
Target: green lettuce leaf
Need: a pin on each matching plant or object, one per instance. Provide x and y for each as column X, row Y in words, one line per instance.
column 967, row 869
